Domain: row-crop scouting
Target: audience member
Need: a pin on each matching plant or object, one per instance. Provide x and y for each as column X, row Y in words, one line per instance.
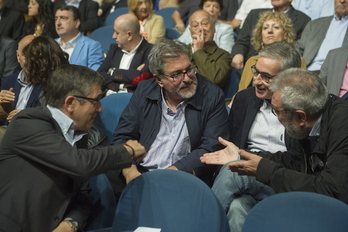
column 183, row 13
column 254, row 127
column 315, row 9
column 44, row 166
column 170, row 117
column 270, row 28
column 211, row 61
column 109, row 7
column 11, row 21
column 42, row 19
column 243, row 50
column 151, row 25
column 245, row 8
column 318, row 158
column 8, row 60
column 81, row 49
column 126, row 63
column 223, row 35
column 38, row 57
column 334, row 71
column 324, row 34
column 88, row 10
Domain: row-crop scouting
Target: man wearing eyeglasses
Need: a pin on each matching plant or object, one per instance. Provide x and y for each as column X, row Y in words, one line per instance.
column 254, row 127
column 211, row 61
column 177, row 116
column 44, row 163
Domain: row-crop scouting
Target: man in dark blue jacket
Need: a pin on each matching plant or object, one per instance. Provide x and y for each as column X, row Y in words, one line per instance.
column 178, row 115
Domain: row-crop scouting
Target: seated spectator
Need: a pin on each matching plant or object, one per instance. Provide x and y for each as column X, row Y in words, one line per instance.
column 334, row 71
column 8, row 59
column 211, row 61
column 88, row 10
column 42, row 19
column 44, row 163
column 151, row 25
column 322, row 35
column 109, row 7
column 254, row 127
column 318, row 158
column 81, row 49
column 38, row 57
column 11, row 21
column 245, row 8
column 126, row 63
column 223, row 35
column 243, row 50
column 170, row 117
column 270, row 28
column 183, row 13
column 315, row 9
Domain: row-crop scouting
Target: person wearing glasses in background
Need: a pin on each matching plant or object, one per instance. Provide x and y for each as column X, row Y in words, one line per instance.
column 177, row 115
column 254, row 127
column 211, row 61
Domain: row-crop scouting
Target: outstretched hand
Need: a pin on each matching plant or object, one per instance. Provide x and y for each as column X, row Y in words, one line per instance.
column 221, row 157
column 248, row 166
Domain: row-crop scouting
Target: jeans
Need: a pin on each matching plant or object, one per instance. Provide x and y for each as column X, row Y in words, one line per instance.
column 228, row 185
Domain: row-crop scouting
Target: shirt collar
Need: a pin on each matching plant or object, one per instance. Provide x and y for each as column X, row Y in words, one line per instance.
column 69, row 44
column 135, row 49
column 20, row 79
column 345, row 18
column 316, row 128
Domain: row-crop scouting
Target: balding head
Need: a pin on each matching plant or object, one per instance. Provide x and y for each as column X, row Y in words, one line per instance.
column 201, row 22
column 127, row 32
column 21, row 45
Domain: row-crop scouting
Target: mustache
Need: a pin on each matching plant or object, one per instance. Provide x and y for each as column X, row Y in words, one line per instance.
column 188, row 83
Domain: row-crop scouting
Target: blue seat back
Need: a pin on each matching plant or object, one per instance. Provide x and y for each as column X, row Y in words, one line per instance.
column 104, row 36
column 110, row 18
column 113, row 106
column 172, row 34
column 171, row 200
column 166, row 13
column 231, row 87
column 298, row 211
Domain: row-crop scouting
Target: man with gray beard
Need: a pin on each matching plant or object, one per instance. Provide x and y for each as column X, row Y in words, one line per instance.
column 177, row 115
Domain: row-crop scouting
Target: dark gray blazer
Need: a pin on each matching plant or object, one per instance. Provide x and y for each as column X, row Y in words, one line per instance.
column 11, row 24
column 8, row 58
column 313, row 36
column 333, row 68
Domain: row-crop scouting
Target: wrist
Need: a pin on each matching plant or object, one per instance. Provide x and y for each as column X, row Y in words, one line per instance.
column 72, row 224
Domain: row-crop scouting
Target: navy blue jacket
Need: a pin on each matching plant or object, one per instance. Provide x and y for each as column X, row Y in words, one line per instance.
column 205, row 114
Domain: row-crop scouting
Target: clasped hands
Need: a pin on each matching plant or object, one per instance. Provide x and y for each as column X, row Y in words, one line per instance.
column 247, row 166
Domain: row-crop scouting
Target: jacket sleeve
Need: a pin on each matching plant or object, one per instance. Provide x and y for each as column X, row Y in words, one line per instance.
column 155, row 29
column 95, row 56
column 215, row 67
column 90, row 19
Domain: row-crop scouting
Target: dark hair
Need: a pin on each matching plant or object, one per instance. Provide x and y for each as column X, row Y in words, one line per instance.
column 47, row 17
column 68, row 80
column 218, row 1
column 76, row 13
column 42, row 56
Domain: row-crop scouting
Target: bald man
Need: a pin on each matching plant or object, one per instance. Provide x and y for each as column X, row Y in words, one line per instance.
column 126, row 63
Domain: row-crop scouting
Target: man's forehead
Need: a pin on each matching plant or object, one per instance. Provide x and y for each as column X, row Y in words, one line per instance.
column 198, row 20
column 267, row 63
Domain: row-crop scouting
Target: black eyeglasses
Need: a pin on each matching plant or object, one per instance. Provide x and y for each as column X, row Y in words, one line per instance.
column 180, row 76
column 277, row 112
column 94, row 101
column 264, row 76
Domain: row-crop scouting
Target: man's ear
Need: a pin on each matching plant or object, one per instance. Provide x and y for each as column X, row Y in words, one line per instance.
column 300, row 117
column 158, row 80
column 77, row 23
column 69, row 103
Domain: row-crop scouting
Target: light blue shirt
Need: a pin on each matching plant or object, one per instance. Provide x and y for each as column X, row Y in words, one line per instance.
column 315, row 8
column 66, row 125
column 333, row 39
column 75, row 3
column 24, row 93
column 172, row 142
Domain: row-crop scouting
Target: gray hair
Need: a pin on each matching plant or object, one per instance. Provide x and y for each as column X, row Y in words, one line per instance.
column 163, row 50
column 300, row 89
column 284, row 52
column 69, row 80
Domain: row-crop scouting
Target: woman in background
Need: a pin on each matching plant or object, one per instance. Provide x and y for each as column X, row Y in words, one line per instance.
column 42, row 19
column 151, row 25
